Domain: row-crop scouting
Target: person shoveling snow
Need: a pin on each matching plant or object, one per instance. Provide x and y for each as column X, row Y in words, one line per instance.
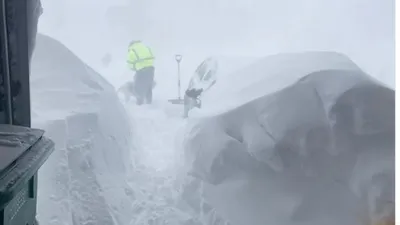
column 141, row 61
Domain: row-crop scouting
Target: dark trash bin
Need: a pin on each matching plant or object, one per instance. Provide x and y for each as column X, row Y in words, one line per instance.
column 23, row 151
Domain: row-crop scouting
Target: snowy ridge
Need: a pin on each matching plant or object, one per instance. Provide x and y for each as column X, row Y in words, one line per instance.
column 267, row 75
column 85, row 180
column 305, row 138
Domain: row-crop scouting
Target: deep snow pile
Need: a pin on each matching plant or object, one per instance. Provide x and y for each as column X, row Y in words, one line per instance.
column 85, row 179
column 303, row 138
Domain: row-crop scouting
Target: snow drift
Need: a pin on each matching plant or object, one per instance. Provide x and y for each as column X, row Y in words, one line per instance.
column 84, row 181
column 302, row 138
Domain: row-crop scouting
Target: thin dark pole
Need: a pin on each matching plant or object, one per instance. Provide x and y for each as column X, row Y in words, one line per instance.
column 178, row 59
column 179, row 80
column 6, row 65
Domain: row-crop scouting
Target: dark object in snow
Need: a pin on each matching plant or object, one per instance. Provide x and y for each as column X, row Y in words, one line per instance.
column 194, row 93
column 191, row 100
column 23, row 151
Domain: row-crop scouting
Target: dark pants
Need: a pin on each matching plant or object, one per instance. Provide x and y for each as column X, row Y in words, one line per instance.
column 143, row 85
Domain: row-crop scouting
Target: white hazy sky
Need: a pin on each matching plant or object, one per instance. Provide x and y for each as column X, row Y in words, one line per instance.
column 362, row 29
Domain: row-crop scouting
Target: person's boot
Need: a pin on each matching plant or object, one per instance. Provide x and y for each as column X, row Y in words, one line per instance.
column 139, row 101
column 149, row 97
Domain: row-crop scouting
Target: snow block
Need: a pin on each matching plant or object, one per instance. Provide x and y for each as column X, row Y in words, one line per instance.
column 85, row 180
column 301, row 138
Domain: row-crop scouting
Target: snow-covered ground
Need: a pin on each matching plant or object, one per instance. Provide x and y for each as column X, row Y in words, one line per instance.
column 114, row 163
column 156, row 173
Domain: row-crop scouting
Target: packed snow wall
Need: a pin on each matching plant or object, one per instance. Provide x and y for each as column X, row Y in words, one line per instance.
column 84, row 181
column 305, row 138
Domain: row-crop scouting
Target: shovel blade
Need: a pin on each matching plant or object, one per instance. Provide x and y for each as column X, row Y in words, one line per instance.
column 176, row 101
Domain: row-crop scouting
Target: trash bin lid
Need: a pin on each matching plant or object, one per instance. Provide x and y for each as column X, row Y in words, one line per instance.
column 14, row 141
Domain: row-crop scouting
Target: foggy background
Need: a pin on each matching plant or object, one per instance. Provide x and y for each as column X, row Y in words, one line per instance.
column 362, row 29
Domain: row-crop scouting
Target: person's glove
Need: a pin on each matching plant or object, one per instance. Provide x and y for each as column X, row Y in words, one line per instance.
column 193, row 93
column 198, row 103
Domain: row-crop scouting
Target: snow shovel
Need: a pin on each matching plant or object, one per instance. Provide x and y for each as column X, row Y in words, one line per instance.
column 178, row 100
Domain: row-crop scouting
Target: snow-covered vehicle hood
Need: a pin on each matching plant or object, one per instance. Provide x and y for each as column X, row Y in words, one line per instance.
column 302, row 138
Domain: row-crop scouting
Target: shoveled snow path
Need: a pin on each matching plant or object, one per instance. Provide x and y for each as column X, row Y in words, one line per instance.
column 154, row 179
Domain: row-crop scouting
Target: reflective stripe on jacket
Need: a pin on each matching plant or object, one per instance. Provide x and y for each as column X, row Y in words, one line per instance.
column 139, row 56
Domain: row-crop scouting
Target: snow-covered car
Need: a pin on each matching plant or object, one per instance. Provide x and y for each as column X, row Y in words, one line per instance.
column 300, row 138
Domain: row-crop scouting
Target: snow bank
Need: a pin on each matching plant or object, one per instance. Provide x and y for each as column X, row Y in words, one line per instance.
column 305, row 138
column 84, row 181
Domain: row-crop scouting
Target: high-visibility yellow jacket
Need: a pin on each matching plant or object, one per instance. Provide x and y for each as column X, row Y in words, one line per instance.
column 139, row 56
